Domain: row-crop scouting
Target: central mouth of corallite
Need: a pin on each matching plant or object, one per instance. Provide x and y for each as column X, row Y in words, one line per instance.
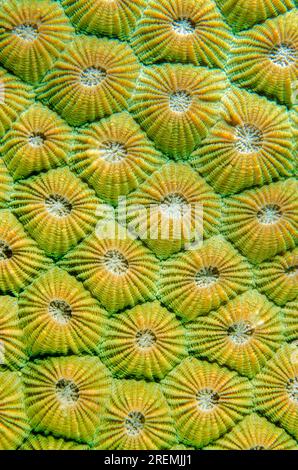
column 183, row 26
column 248, row 138
column 240, row 332
column 269, row 214
column 60, row 311
column 258, row 448
column 5, row 251
column 174, row 205
column 292, row 389
column 284, row 55
column 134, row 423
column 291, row 271
column 58, row 206
column 145, row 338
column 179, row 101
column 113, row 152
column 207, row 276
column 207, row 399
column 26, row 32
column 92, row 76
column 67, row 392
column 115, row 262
column 36, row 139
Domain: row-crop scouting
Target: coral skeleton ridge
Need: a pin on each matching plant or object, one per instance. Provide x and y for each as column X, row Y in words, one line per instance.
column 148, row 225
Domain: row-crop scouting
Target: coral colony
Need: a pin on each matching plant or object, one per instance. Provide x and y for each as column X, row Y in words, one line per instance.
column 148, row 224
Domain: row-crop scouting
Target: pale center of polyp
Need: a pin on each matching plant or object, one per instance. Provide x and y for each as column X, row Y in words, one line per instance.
column 134, row 423
column 92, row 76
column 113, row 152
column 248, row 138
column 58, row 205
column 36, row 139
column 207, row 276
column 67, row 392
column 145, row 338
column 27, row 32
column 60, row 311
column 240, row 332
column 183, row 26
column 269, row 214
column 174, row 205
column 207, row 399
column 283, row 55
column 292, row 389
column 179, row 101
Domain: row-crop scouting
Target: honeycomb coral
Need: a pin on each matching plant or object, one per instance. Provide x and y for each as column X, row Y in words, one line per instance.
column 56, row 208
column 251, row 145
column 176, row 105
column 172, row 209
column 59, row 316
column 182, row 31
column 276, row 389
column 242, row 335
column 265, row 58
column 263, row 222
column 114, row 156
column 195, row 282
column 38, row 140
column 65, row 395
column 278, row 278
column 136, row 417
column 205, row 400
column 32, row 34
column 92, row 78
column 146, row 341
column 118, row 270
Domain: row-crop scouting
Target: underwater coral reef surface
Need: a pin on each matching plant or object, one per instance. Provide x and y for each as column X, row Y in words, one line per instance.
column 148, row 224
